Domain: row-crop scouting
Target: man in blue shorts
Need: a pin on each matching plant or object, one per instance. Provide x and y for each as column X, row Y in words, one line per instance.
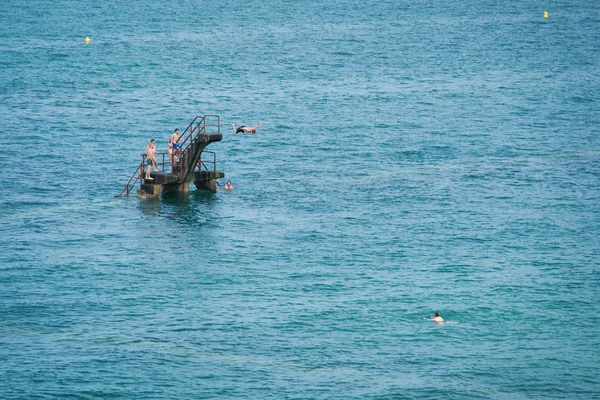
column 174, row 146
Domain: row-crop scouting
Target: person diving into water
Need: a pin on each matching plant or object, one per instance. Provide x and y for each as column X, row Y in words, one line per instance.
column 245, row 129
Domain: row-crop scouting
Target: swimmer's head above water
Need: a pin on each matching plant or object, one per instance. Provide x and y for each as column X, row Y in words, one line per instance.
column 437, row 318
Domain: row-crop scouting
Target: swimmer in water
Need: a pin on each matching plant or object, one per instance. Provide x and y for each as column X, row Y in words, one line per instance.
column 437, row 318
column 228, row 186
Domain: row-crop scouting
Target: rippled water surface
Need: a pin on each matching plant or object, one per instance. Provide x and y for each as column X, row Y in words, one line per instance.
column 413, row 157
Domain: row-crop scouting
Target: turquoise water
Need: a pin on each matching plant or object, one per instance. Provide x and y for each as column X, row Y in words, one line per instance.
column 414, row 157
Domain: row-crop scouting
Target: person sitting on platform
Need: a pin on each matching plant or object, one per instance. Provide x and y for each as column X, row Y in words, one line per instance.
column 173, row 146
column 228, row 186
column 150, row 159
column 245, row 129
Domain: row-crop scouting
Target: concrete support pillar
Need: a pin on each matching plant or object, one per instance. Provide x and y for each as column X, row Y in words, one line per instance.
column 207, row 185
column 183, row 188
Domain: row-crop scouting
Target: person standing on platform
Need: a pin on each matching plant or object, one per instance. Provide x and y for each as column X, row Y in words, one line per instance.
column 174, row 146
column 151, row 159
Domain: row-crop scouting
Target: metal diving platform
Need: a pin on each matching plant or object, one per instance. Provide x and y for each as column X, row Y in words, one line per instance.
column 191, row 163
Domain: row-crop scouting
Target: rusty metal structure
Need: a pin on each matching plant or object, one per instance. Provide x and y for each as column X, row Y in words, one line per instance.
column 188, row 163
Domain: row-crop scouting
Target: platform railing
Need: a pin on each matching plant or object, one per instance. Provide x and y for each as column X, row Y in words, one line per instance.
column 133, row 180
column 188, row 133
column 199, row 126
column 202, row 162
column 162, row 159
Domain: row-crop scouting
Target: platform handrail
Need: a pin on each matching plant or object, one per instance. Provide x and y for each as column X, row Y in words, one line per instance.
column 201, row 162
column 197, row 129
column 200, row 128
column 135, row 177
column 190, row 128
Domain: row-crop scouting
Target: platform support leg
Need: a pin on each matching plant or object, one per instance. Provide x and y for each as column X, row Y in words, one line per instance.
column 182, row 188
column 210, row 184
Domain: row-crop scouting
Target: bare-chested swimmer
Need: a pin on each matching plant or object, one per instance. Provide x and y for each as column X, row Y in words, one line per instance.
column 245, row 129
column 437, row 318
column 228, row 186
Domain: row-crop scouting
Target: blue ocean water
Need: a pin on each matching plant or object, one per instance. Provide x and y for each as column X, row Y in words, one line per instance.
column 413, row 157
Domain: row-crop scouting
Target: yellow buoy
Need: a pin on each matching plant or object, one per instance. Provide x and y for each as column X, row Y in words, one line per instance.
column 87, row 40
column 545, row 14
